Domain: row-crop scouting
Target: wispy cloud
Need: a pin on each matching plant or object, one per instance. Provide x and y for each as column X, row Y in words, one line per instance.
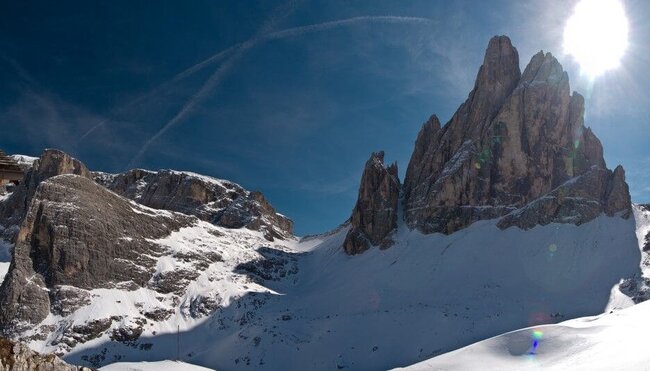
column 42, row 119
column 239, row 51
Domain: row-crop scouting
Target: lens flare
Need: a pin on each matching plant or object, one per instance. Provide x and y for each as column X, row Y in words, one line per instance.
column 537, row 338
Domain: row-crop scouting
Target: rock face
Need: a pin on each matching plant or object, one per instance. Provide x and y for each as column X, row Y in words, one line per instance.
column 77, row 236
column 375, row 215
column 219, row 202
column 516, row 147
column 18, row 357
column 51, row 163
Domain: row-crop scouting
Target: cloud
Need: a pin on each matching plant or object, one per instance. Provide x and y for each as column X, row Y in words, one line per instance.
column 238, row 51
column 37, row 118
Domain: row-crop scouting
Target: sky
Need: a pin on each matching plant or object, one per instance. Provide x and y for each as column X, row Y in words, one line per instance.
column 286, row 97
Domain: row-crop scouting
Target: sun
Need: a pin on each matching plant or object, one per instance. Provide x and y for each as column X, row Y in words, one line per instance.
column 596, row 35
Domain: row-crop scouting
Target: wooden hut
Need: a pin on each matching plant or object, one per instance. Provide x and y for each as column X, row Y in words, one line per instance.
column 10, row 172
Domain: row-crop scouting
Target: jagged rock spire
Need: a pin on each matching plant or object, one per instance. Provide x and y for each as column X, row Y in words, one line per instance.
column 518, row 137
column 375, row 214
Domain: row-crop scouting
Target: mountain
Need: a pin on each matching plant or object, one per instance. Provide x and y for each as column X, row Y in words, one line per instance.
column 217, row 201
column 507, row 218
column 517, row 148
column 611, row 341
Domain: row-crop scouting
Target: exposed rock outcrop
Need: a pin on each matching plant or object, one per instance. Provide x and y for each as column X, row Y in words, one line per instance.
column 219, row 202
column 78, row 236
column 51, row 163
column 517, row 142
column 375, row 215
column 18, row 357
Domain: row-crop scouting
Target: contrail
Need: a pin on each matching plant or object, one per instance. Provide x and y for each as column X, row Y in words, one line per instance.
column 266, row 27
column 297, row 31
column 180, row 76
column 239, row 50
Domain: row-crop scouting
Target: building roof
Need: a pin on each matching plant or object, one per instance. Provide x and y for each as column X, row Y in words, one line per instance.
column 8, row 164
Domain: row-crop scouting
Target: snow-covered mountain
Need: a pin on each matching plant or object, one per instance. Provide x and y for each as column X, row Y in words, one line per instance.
column 508, row 218
column 611, row 341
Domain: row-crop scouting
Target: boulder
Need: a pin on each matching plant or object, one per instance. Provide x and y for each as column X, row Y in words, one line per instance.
column 18, row 357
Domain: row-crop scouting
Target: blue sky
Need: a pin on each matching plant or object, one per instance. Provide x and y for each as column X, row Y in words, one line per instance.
column 294, row 113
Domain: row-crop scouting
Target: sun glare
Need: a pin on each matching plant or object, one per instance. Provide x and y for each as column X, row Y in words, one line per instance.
column 596, row 35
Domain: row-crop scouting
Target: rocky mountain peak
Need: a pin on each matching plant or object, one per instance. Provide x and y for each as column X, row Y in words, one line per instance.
column 76, row 236
column 499, row 73
column 52, row 162
column 217, row 201
column 531, row 142
column 516, row 149
column 496, row 79
column 374, row 216
column 544, row 67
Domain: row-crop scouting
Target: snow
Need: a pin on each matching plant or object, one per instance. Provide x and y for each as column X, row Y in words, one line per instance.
column 455, row 163
column 4, row 268
column 24, row 160
column 613, row 341
column 205, row 178
column 153, row 366
column 426, row 295
column 5, row 258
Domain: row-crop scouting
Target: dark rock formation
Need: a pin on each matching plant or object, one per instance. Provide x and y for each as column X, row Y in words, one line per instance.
column 78, row 236
column 375, row 215
column 18, row 357
column 517, row 142
column 216, row 201
column 51, row 163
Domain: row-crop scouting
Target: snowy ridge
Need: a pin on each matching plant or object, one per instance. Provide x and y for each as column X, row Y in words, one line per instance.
column 153, row 366
column 144, row 312
column 220, row 202
column 613, row 341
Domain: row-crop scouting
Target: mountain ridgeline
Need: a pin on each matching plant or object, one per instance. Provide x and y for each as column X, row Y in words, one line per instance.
column 145, row 265
column 73, row 230
column 516, row 149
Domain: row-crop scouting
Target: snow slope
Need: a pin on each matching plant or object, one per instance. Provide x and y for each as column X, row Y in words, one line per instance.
column 5, row 258
column 5, row 246
column 153, row 366
column 427, row 295
column 613, row 341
